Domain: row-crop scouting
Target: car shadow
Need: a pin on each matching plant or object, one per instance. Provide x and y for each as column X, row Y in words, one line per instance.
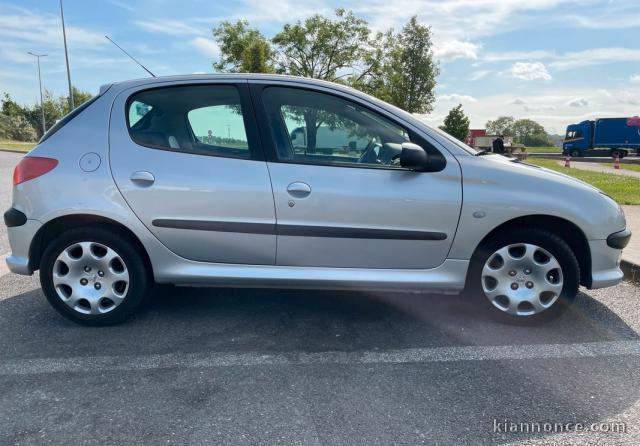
column 448, row 401
column 280, row 320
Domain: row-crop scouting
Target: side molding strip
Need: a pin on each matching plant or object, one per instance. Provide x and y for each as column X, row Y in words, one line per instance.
column 299, row 230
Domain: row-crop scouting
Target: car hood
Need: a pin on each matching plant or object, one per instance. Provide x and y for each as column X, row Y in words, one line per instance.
column 542, row 173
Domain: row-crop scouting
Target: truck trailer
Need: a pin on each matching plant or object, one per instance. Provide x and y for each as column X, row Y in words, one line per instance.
column 609, row 136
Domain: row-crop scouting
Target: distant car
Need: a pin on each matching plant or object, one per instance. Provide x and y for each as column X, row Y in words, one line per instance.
column 194, row 180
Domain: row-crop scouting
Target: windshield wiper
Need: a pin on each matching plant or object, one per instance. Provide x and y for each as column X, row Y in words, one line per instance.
column 482, row 152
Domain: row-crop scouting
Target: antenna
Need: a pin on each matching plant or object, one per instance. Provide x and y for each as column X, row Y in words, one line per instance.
column 130, row 56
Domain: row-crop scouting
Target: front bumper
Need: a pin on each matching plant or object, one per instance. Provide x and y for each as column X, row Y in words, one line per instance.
column 605, row 264
column 20, row 238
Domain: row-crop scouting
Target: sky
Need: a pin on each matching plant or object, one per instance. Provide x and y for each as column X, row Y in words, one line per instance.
column 554, row 61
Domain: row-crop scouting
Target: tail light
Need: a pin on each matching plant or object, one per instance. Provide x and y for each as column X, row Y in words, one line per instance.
column 32, row 167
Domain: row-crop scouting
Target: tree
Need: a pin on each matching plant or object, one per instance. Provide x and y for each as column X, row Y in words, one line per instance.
column 16, row 128
column 54, row 109
column 242, row 49
column 456, row 123
column 10, row 107
column 79, row 98
column 501, row 126
column 407, row 74
column 530, row 133
column 256, row 57
column 324, row 48
column 398, row 67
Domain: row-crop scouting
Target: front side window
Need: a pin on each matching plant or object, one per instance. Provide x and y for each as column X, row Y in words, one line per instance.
column 200, row 119
column 312, row 127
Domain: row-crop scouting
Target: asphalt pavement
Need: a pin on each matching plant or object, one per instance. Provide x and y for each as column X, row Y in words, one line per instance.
column 242, row 366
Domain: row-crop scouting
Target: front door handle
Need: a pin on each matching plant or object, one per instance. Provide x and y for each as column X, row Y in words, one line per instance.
column 142, row 178
column 298, row 189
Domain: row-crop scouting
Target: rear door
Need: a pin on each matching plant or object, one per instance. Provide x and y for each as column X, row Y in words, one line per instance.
column 341, row 198
column 188, row 162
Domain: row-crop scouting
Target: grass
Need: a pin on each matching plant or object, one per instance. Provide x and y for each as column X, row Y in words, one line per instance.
column 17, row 146
column 623, row 189
column 634, row 167
column 544, row 150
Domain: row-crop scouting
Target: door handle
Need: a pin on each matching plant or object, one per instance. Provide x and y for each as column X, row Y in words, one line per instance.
column 298, row 189
column 142, row 178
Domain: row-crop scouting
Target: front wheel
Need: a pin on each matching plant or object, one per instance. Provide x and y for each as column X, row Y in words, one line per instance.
column 526, row 275
column 94, row 276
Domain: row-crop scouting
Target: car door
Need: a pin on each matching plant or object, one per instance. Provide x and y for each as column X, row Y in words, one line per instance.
column 341, row 198
column 188, row 162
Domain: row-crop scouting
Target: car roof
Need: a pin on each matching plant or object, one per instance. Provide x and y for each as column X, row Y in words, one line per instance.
column 122, row 85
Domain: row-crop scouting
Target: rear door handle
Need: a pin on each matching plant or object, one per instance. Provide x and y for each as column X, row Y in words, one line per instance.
column 298, row 189
column 142, row 178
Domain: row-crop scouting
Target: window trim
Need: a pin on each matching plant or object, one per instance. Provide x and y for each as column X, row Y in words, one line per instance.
column 256, row 150
column 269, row 139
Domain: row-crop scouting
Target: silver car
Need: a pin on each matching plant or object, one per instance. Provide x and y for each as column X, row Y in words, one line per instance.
column 274, row 181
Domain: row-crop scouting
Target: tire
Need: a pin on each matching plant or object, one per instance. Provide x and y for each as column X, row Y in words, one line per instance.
column 563, row 285
column 100, row 277
column 575, row 153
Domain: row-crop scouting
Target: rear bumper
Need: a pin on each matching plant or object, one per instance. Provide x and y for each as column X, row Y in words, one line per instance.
column 20, row 238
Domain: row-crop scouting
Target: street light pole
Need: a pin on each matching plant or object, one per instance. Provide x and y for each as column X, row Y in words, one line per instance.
column 66, row 57
column 38, row 56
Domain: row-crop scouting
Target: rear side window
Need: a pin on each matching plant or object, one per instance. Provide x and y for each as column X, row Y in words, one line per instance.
column 200, row 119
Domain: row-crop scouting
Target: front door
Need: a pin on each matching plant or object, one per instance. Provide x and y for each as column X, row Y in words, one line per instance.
column 341, row 198
column 187, row 161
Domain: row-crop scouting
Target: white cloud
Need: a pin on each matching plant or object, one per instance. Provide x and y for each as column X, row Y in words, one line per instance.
column 454, row 97
column 123, row 5
column 628, row 98
column 454, row 19
column 635, row 79
column 169, row 27
column 19, row 25
column 455, row 49
column 207, row 47
column 516, row 101
column 549, row 107
column 538, row 108
column 530, row 71
column 480, row 74
column 579, row 103
column 528, row 106
column 517, row 55
column 595, row 56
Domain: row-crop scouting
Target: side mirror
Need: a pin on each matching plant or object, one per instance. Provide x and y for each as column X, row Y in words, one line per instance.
column 414, row 157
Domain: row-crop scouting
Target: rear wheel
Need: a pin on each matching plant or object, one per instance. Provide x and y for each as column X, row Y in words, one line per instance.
column 94, row 276
column 526, row 275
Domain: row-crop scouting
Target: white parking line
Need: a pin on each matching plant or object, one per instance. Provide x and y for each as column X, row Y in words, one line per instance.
column 413, row 355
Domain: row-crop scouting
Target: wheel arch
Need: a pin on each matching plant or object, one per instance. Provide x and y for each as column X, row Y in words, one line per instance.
column 567, row 230
column 53, row 227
